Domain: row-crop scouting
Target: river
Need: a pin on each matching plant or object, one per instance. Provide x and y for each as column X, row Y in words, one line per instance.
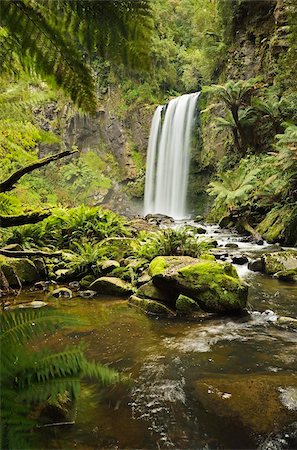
column 226, row 383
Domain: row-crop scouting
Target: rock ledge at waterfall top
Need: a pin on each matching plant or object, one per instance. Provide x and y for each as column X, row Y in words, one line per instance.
column 214, row 286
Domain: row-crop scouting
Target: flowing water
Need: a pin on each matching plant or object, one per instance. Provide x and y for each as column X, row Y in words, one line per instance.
column 168, row 157
column 225, row 383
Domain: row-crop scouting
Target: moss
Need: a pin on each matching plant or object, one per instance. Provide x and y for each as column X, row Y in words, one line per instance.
column 111, row 286
column 150, row 306
column 280, row 261
column 86, row 281
column 207, row 257
column 157, row 266
column 185, row 305
column 148, row 290
column 287, row 275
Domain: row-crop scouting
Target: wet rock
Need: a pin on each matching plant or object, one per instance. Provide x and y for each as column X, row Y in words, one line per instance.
column 256, row 265
column 34, row 304
column 200, row 230
column 279, row 261
column 287, row 275
column 62, row 292
column 18, row 270
column 231, row 245
column 111, row 286
column 215, row 286
column 198, row 219
column 158, row 219
column 150, row 306
column 240, row 260
column 149, row 290
column 42, row 285
column 108, row 265
column 253, row 399
column 145, row 278
column 74, row 285
column 225, row 222
column 185, row 306
column 86, row 294
column 289, row 322
column 86, row 281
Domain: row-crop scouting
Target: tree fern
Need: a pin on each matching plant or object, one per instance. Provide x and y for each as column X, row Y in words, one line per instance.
column 29, row 379
column 43, row 34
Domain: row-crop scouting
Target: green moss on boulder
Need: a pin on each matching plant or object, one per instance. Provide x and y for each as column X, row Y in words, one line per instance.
column 279, row 261
column 149, row 290
column 185, row 306
column 150, row 306
column 21, row 269
column 215, row 286
column 111, row 286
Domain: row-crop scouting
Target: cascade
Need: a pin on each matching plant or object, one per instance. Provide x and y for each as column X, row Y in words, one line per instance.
column 168, row 157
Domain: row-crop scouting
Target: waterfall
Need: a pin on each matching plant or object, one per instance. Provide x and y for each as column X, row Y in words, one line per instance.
column 168, row 157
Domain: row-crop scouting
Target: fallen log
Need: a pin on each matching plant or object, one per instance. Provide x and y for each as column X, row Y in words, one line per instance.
column 29, row 253
column 257, row 236
column 23, row 219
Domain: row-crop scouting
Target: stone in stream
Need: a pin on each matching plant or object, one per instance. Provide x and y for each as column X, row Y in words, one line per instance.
column 279, row 261
column 185, row 306
column 240, row 260
column 86, row 294
column 111, row 286
column 255, row 400
column 287, row 275
column 107, row 266
column 231, row 245
column 215, row 286
column 18, row 270
column 61, row 292
column 149, row 290
column 256, row 265
column 150, row 306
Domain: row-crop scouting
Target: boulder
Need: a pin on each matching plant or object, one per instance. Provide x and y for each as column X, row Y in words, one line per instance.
column 145, row 278
column 21, row 269
column 111, row 286
column 279, row 261
column 185, row 306
column 215, row 286
column 86, row 281
column 62, row 292
column 149, row 290
column 150, row 306
column 200, row 230
column 289, row 322
column 240, row 260
column 108, row 265
column 231, row 245
column 287, row 275
column 256, row 265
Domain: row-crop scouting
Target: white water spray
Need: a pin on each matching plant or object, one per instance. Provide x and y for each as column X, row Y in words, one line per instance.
column 168, row 158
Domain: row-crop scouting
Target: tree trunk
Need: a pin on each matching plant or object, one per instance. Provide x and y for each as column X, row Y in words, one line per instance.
column 9, row 183
column 23, row 219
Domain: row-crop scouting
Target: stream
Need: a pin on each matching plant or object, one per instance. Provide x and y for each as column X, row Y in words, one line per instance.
column 227, row 383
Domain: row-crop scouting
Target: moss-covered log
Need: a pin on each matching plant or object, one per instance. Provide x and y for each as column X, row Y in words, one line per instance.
column 29, row 253
column 23, row 219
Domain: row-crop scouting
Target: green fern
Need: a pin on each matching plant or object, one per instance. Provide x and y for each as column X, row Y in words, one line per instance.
column 29, row 379
column 49, row 36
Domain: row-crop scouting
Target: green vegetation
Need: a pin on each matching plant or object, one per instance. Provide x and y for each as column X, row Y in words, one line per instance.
column 31, row 380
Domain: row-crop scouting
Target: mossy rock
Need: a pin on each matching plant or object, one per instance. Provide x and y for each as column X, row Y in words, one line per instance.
column 287, row 275
column 107, row 266
column 86, row 281
column 207, row 257
column 150, row 307
column 279, row 261
column 159, row 264
column 62, row 292
column 111, row 286
column 185, row 306
column 149, row 290
column 215, row 286
column 19, row 268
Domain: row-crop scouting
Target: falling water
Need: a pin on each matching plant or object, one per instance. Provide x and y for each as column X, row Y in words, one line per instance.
column 168, row 157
